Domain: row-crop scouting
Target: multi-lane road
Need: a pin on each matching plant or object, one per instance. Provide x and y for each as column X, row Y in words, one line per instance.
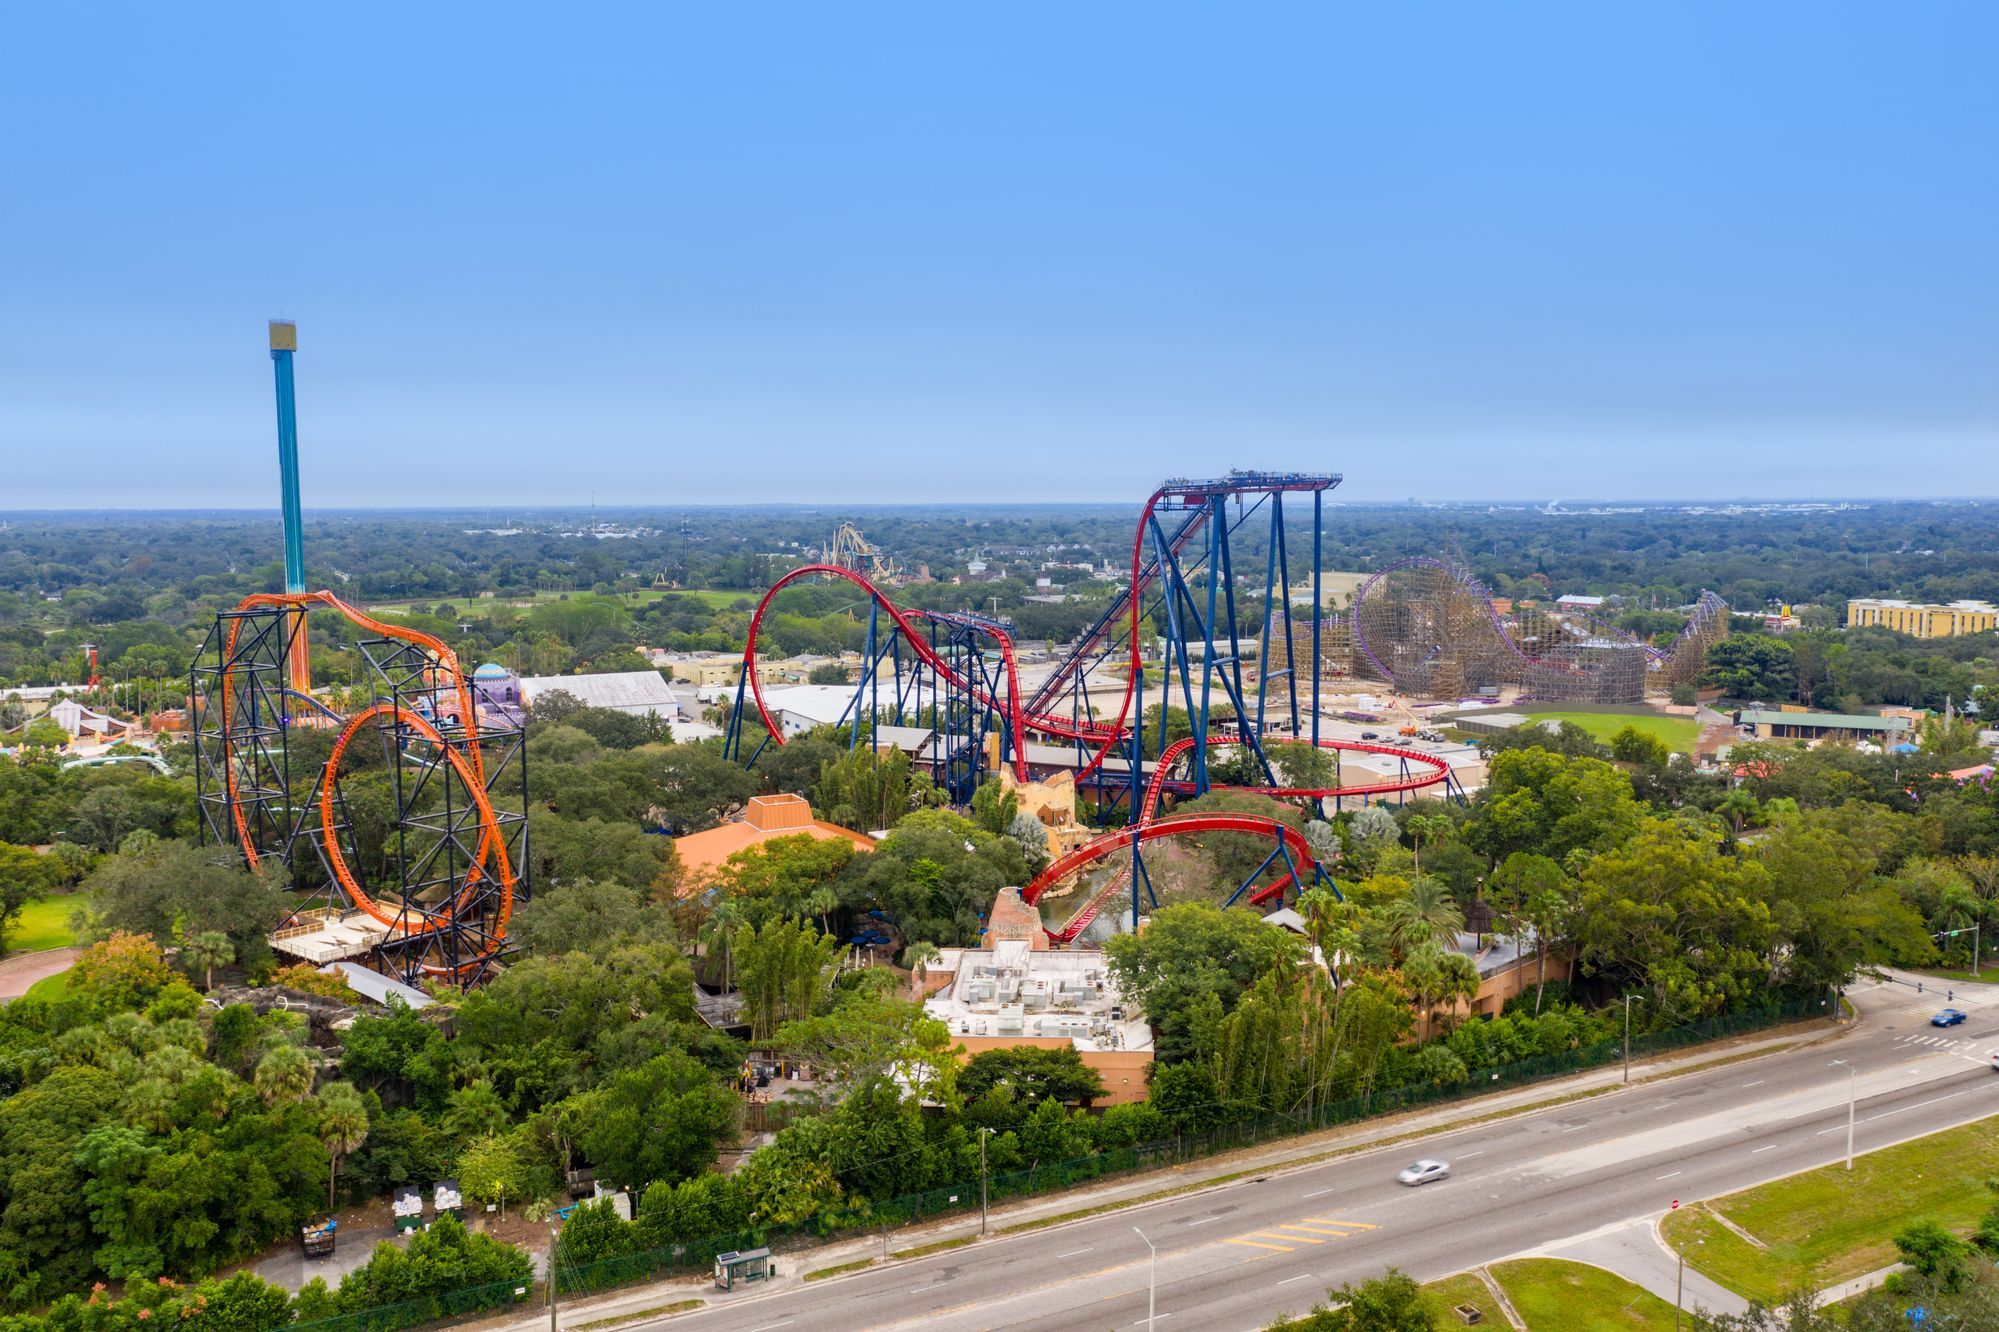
column 1233, row 1257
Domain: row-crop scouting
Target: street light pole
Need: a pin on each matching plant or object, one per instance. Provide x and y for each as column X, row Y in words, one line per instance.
column 984, row 1133
column 1851, row 1079
column 1679, row 1290
column 1151, row 1281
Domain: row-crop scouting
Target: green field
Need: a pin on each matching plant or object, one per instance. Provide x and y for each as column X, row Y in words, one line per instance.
column 1676, row 733
column 1556, row 1296
column 43, row 923
column 1828, row 1225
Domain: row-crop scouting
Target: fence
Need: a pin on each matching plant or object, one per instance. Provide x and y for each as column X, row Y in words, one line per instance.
column 449, row 1306
column 955, row 1199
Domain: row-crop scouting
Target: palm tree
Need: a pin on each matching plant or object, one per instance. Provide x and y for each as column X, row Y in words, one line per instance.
column 283, row 1075
column 917, row 956
column 1434, row 827
column 1548, row 907
column 473, row 1112
column 1739, row 807
column 1427, row 913
column 208, row 950
column 343, row 1127
column 716, row 931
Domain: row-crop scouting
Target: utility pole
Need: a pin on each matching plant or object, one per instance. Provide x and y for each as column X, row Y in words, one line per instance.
column 1851, row 1085
column 1627, row 1040
column 1151, row 1281
column 984, row 1133
column 553, row 1249
column 1679, row 1289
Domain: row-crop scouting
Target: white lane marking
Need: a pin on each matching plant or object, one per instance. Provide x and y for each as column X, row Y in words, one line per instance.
column 1315, row 1193
column 1202, row 1222
column 1766, row 1147
column 1302, row 1276
column 768, row 1326
column 1670, row 1174
column 1758, row 1083
column 935, row 1285
column 1466, row 1156
column 1935, row 1100
column 1073, row 1252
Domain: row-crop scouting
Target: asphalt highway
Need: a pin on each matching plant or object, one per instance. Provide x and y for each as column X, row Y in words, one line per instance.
column 1236, row 1256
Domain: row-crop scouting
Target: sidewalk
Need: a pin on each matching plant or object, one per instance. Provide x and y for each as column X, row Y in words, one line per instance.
column 22, row 970
column 794, row 1264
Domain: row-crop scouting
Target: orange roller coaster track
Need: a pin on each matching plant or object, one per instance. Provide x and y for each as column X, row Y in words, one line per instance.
column 458, row 858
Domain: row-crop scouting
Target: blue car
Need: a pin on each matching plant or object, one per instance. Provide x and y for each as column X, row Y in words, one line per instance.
column 1950, row 1017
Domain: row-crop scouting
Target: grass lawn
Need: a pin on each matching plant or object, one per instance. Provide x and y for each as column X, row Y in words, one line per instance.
column 1827, row 1225
column 1464, row 1288
column 43, row 923
column 49, row 987
column 1676, row 733
column 1556, row 1296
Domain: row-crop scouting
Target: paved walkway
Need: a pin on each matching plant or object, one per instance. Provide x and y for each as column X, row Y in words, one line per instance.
column 793, row 1264
column 20, row 971
column 1635, row 1251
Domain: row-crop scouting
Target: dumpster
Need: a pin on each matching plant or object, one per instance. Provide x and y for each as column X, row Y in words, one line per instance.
column 317, row 1240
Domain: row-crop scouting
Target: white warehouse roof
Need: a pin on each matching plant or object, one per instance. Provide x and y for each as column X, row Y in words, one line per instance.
column 636, row 692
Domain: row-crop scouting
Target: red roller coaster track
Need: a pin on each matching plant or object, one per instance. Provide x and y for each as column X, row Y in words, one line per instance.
column 1105, row 735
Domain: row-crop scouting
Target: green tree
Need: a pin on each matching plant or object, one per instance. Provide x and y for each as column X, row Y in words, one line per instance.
column 661, row 1120
column 343, row 1127
column 1034, row 1075
column 1631, row 745
column 120, row 973
column 284, row 1075
column 584, row 915
column 785, row 971
column 1193, row 951
column 1933, row 1251
column 208, row 950
column 171, row 886
column 1752, row 666
column 1391, row 1302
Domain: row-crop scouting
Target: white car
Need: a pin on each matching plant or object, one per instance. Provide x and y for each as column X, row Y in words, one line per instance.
column 1422, row 1172
column 1995, row 1061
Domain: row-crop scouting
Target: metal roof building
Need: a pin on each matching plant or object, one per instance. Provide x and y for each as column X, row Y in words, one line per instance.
column 634, row 692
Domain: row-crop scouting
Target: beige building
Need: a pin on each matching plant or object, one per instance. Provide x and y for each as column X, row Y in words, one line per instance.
column 1923, row 621
column 1014, row 993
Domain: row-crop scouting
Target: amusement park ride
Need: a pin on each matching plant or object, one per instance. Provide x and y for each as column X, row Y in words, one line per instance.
column 958, row 674
column 451, row 864
column 421, row 873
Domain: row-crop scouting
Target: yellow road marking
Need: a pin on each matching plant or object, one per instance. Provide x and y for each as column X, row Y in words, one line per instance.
column 1259, row 1244
column 1274, row 1233
column 1329, row 1221
column 1316, row 1230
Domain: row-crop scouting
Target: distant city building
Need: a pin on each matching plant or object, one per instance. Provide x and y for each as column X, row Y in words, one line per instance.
column 1920, row 620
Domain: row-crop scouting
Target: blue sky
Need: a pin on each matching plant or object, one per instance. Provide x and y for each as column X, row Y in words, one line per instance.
column 678, row 254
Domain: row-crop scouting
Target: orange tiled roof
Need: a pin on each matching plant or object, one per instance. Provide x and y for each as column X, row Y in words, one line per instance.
column 766, row 817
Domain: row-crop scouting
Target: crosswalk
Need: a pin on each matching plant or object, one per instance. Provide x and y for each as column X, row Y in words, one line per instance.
column 1940, row 1042
column 1290, row 1236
